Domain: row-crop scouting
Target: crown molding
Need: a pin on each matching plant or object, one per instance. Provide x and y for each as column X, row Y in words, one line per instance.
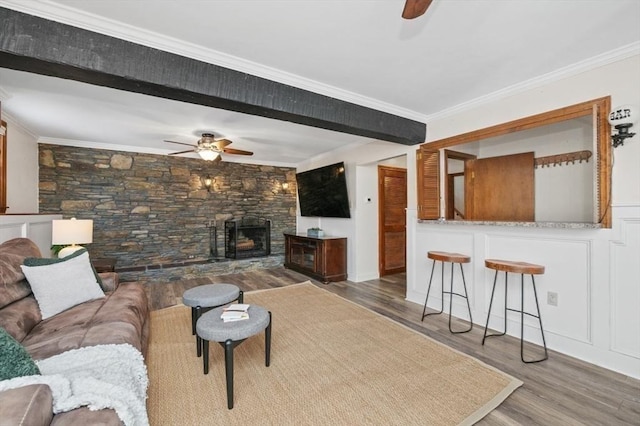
column 14, row 122
column 146, row 150
column 606, row 58
column 70, row 16
column 4, row 95
column 101, row 145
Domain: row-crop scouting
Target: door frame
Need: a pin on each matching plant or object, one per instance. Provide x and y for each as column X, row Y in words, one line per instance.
column 3, row 167
column 452, row 155
column 381, row 252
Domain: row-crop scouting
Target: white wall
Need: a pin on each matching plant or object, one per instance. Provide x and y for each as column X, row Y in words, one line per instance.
column 366, row 255
column 595, row 272
column 361, row 231
column 22, row 169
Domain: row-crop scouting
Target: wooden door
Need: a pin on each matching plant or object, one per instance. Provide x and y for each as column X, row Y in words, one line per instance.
column 392, row 196
column 500, row 188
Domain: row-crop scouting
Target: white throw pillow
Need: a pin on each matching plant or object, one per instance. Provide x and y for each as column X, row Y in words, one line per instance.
column 62, row 285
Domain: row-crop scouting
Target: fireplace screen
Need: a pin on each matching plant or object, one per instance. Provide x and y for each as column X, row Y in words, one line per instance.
column 247, row 237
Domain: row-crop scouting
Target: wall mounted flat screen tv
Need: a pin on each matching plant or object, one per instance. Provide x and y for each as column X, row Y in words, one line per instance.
column 322, row 192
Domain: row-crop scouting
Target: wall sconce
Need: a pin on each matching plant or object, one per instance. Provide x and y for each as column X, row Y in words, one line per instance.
column 208, row 183
column 285, row 186
column 622, row 119
column 73, row 232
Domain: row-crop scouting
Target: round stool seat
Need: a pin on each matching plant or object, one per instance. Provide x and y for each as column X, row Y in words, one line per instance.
column 210, row 295
column 211, row 327
column 444, row 256
column 513, row 266
column 522, row 268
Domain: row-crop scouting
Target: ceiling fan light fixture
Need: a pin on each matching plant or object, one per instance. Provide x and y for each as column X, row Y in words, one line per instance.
column 208, row 155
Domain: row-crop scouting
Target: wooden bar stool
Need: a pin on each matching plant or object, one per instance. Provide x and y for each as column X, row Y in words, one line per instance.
column 440, row 256
column 517, row 268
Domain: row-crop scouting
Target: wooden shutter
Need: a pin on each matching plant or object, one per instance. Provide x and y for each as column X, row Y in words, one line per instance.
column 428, row 168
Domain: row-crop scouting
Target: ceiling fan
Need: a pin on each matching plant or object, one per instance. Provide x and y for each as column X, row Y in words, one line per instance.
column 415, row 8
column 211, row 149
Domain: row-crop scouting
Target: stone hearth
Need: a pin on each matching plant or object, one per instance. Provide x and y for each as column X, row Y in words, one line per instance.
column 189, row 269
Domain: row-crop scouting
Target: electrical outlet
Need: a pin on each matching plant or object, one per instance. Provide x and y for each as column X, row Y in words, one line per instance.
column 552, row 298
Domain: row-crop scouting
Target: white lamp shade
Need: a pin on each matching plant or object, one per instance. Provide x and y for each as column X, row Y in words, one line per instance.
column 208, row 154
column 72, row 231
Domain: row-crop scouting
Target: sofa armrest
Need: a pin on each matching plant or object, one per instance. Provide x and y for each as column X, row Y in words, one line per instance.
column 110, row 280
column 27, row 405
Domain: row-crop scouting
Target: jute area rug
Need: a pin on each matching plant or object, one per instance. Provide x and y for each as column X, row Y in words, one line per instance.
column 332, row 363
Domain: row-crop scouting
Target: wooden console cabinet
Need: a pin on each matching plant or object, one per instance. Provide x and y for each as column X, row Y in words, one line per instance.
column 322, row 258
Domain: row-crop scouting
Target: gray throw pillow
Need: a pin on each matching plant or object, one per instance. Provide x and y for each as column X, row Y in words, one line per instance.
column 41, row 261
column 63, row 285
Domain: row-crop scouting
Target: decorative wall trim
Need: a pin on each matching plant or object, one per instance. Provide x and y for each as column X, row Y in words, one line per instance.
column 622, row 241
column 588, row 314
column 33, row 226
column 4, row 95
column 12, row 121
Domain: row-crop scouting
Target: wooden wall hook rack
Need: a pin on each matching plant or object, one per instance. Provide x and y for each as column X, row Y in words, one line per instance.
column 558, row 159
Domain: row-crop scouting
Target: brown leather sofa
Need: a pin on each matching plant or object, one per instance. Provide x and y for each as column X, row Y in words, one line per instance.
column 120, row 317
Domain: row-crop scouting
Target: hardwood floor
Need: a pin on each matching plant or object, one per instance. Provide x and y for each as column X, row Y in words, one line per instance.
column 559, row 391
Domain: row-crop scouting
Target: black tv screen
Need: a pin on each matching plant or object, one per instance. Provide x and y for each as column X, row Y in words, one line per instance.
column 322, row 192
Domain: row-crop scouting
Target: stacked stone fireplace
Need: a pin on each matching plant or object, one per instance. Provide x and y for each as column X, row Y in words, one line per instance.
column 247, row 237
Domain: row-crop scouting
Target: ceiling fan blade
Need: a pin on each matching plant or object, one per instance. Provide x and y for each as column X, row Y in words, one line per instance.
column 236, row 151
column 221, row 143
column 181, row 143
column 415, row 8
column 181, row 152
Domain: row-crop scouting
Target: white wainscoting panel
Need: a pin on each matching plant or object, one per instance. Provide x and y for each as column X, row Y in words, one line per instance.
column 567, row 273
column 625, row 288
column 33, row 226
column 457, row 242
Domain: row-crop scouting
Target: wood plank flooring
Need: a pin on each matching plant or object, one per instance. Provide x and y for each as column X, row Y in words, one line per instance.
column 559, row 391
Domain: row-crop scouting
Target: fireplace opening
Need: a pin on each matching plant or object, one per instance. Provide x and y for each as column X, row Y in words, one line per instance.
column 247, row 237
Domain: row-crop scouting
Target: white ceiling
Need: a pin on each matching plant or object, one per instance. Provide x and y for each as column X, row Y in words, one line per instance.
column 361, row 51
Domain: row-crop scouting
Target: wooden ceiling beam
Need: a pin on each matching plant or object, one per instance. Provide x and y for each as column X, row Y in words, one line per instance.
column 37, row 45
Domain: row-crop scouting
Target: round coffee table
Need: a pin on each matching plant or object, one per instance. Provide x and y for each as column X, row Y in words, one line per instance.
column 206, row 297
column 210, row 327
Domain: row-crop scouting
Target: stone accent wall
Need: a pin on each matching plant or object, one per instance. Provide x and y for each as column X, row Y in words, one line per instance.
column 154, row 209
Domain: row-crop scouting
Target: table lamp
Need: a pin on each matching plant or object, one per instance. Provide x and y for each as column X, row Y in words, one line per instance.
column 71, row 231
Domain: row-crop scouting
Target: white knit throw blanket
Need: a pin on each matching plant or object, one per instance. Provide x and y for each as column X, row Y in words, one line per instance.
column 103, row 376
